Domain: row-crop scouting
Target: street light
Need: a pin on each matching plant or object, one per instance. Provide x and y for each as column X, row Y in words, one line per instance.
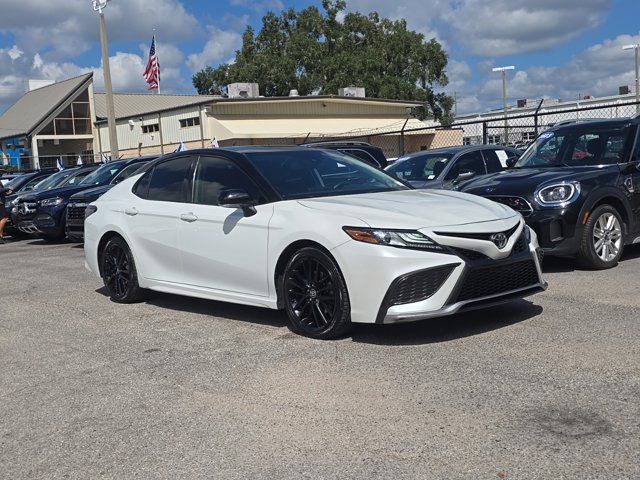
column 98, row 6
column 635, row 48
column 503, row 70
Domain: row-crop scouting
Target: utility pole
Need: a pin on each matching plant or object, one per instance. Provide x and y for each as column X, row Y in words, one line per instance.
column 503, row 70
column 98, row 6
column 635, row 48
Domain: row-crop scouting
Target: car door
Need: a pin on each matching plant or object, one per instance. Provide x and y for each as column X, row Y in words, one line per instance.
column 153, row 218
column 222, row 248
column 470, row 161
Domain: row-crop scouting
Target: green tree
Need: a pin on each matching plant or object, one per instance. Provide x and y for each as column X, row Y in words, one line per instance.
column 313, row 51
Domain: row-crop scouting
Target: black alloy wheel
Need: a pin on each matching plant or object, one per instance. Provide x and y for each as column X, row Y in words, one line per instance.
column 315, row 294
column 119, row 272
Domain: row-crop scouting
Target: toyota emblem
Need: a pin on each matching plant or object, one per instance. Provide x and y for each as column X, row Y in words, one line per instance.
column 499, row 239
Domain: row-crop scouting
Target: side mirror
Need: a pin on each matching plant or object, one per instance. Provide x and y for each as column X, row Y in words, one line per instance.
column 465, row 175
column 511, row 161
column 237, row 198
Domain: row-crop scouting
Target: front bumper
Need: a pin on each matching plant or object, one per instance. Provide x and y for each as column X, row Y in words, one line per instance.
column 558, row 230
column 372, row 274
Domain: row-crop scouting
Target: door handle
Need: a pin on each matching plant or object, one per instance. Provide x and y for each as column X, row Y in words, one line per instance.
column 132, row 212
column 188, row 217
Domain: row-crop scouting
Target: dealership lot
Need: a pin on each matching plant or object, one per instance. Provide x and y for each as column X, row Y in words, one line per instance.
column 176, row 387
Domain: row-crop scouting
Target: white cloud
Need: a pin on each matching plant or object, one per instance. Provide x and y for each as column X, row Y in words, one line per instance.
column 506, row 27
column 219, row 47
column 15, row 53
column 598, row 70
column 68, row 28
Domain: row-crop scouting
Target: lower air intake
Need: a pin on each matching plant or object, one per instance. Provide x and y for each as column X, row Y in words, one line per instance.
column 488, row 281
column 418, row 286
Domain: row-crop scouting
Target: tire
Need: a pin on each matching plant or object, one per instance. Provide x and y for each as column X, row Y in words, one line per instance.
column 119, row 273
column 602, row 240
column 315, row 295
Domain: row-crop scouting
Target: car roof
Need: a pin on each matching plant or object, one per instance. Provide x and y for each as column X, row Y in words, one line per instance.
column 454, row 150
column 594, row 123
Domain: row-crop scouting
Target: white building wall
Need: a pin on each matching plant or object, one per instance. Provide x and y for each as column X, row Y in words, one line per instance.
column 131, row 136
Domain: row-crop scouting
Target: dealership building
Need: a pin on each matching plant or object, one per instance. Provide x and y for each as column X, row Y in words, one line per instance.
column 67, row 120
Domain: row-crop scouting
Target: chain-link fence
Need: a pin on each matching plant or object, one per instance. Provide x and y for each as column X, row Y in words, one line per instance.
column 518, row 130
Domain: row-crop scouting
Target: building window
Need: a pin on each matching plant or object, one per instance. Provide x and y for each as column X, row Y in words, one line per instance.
column 190, row 122
column 493, row 139
column 153, row 127
column 529, row 136
column 466, row 140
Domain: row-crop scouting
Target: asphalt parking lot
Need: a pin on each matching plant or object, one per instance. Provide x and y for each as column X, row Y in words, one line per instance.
column 183, row 388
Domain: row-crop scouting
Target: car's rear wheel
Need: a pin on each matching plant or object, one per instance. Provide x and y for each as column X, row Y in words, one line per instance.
column 119, row 272
column 315, row 295
column 602, row 239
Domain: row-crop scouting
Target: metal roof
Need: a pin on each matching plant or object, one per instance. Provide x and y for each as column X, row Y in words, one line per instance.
column 129, row 105
column 35, row 106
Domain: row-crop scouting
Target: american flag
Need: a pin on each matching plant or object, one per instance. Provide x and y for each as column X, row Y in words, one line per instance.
column 152, row 72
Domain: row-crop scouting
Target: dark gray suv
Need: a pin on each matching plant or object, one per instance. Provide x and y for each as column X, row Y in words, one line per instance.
column 446, row 167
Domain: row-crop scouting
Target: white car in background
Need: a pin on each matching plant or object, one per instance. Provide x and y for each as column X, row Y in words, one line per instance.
column 320, row 234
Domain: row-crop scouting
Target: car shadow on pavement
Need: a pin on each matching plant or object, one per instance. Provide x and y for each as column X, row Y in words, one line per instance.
column 444, row 329
column 566, row 265
column 244, row 313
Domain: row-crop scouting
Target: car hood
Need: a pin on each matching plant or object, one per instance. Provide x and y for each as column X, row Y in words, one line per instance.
column 91, row 194
column 524, row 181
column 64, row 192
column 413, row 209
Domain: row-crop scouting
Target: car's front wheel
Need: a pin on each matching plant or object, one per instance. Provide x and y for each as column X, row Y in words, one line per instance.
column 315, row 295
column 119, row 272
column 602, row 239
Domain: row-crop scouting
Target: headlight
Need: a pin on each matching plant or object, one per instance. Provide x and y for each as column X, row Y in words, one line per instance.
column 394, row 238
column 556, row 195
column 50, row 202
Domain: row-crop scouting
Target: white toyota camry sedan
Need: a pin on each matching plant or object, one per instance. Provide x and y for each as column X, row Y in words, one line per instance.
column 317, row 233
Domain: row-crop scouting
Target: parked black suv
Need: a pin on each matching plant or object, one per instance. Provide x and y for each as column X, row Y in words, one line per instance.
column 364, row 151
column 446, row 167
column 44, row 213
column 578, row 187
column 74, row 224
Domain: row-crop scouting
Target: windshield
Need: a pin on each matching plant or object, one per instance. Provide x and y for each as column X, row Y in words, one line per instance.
column 102, row 175
column 53, row 180
column 576, row 147
column 319, row 173
column 418, row 168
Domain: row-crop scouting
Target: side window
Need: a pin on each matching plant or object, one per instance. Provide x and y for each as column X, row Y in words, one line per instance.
column 471, row 161
column 170, row 181
column 636, row 153
column 362, row 155
column 215, row 174
column 492, row 160
column 141, row 188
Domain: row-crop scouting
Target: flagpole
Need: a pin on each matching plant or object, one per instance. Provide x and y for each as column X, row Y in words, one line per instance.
column 158, row 60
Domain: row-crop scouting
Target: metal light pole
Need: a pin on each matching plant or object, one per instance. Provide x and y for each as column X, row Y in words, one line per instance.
column 635, row 48
column 98, row 6
column 503, row 70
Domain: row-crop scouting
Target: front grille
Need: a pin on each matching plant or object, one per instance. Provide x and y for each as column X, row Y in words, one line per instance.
column 478, row 236
column 521, row 244
column 418, row 286
column 75, row 212
column 497, row 279
column 519, row 204
column 470, row 255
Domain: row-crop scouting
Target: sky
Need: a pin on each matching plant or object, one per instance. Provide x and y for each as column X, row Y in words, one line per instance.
column 560, row 48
